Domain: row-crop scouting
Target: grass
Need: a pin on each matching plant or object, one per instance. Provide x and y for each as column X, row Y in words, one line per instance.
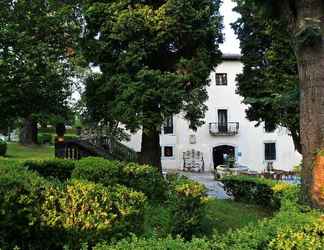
column 36, row 152
column 220, row 216
column 223, row 215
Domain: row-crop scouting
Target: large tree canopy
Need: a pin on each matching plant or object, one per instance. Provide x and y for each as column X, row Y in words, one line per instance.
column 36, row 40
column 269, row 82
column 155, row 58
column 304, row 20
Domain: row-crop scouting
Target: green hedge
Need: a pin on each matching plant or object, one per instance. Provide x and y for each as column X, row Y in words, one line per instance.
column 85, row 212
column 21, row 194
column 252, row 190
column 45, row 138
column 3, row 148
column 188, row 199
column 155, row 244
column 36, row 214
column 58, row 168
column 142, row 178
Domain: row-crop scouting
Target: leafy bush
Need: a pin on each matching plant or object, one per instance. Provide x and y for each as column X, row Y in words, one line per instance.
column 85, row 212
column 98, row 170
column 21, row 193
column 252, row 190
column 146, row 179
column 58, row 168
column 142, row 178
column 188, row 199
column 156, row 244
column 45, row 138
column 3, row 148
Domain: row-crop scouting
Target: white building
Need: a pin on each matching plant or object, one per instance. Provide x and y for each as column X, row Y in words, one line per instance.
column 226, row 131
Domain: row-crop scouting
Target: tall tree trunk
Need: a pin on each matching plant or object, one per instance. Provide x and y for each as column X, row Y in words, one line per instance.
column 151, row 150
column 311, row 74
column 29, row 131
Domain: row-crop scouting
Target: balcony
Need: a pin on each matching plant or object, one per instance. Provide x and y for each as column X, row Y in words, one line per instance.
column 224, row 129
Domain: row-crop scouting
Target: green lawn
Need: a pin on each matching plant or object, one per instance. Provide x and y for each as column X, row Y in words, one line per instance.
column 20, row 152
column 221, row 216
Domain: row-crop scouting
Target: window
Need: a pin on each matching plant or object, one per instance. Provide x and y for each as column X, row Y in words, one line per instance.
column 221, row 79
column 270, row 151
column 222, row 120
column 168, row 151
column 168, row 126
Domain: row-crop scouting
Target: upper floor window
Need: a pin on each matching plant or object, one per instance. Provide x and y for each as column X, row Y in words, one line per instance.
column 221, row 79
column 270, row 153
column 168, row 125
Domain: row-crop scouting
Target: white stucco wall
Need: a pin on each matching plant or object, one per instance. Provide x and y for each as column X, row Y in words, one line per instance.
column 248, row 143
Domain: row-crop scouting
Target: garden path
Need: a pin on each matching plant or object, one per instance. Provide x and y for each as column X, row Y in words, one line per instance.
column 214, row 188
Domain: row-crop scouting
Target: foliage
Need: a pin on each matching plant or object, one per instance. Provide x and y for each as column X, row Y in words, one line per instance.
column 269, row 82
column 251, row 190
column 45, row 138
column 36, row 214
column 155, row 244
column 3, row 148
column 142, row 178
column 86, row 212
column 37, row 41
column 59, row 169
column 98, row 170
column 146, row 179
column 20, row 196
column 188, row 200
column 155, row 58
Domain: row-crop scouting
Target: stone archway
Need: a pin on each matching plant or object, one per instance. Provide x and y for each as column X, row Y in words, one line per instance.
column 218, row 154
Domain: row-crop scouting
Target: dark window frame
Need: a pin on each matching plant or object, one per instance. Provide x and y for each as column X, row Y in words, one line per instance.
column 221, row 79
column 270, row 151
column 165, row 151
column 168, row 127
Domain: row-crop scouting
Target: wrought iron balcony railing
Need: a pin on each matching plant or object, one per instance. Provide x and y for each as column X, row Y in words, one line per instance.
column 225, row 129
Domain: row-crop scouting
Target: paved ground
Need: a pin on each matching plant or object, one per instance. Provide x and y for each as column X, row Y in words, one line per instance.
column 215, row 188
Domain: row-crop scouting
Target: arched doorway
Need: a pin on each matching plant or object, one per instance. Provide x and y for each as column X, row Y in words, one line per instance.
column 218, row 154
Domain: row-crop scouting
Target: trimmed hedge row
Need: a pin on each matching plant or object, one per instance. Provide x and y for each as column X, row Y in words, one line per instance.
column 35, row 214
column 142, row 178
column 252, row 190
column 58, row 168
column 3, row 148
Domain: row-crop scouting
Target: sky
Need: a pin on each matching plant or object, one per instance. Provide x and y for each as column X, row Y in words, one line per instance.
column 231, row 44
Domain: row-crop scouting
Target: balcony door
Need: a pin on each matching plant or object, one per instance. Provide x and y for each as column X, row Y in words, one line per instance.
column 222, row 120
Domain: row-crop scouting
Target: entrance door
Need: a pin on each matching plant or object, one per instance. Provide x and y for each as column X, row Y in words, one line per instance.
column 222, row 120
column 219, row 152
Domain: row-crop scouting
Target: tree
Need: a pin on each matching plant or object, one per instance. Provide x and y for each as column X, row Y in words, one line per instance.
column 155, row 58
column 304, row 21
column 269, row 82
column 36, row 41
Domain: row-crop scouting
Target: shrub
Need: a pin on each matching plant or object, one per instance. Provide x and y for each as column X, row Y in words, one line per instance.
column 155, row 244
column 3, row 148
column 21, row 193
column 98, row 170
column 45, row 138
column 188, row 203
column 146, row 179
column 252, row 190
column 58, row 168
column 142, row 178
column 85, row 212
